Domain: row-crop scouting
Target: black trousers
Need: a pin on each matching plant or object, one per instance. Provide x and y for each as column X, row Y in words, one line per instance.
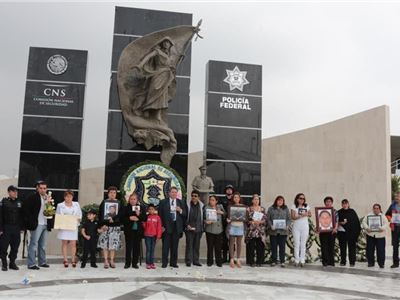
column 214, row 243
column 132, row 246
column 256, row 245
column 327, row 240
column 378, row 244
column 278, row 241
column 225, row 247
column 347, row 242
column 395, row 244
column 89, row 247
column 192, row 251
column 170, row 242
column 11, row 237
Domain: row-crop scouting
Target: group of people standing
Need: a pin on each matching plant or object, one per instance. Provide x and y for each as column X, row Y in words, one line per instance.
column 226, row 222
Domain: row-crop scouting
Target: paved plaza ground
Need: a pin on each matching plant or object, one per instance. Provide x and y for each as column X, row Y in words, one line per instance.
column 311, row 282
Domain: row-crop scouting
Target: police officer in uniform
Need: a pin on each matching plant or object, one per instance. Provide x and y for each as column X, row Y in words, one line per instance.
column 11, row 225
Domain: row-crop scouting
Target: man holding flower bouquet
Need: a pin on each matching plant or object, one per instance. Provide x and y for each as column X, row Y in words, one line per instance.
column 39, row 213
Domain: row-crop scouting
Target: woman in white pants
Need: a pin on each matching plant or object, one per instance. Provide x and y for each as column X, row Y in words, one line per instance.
column 300, row 212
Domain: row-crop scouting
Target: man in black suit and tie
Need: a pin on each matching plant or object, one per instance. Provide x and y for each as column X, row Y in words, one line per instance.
column 172, row 212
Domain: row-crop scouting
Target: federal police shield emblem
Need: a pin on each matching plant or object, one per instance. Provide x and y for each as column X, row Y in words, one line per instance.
column 151, row 181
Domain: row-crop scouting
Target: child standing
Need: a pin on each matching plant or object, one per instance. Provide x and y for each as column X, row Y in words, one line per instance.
column 89, row 233
column 152, row 232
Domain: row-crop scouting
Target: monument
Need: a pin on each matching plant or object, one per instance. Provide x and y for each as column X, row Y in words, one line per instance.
column 203, row 184
column 147, row 83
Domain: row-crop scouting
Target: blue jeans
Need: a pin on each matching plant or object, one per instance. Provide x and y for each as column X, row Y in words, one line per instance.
column 150, row 246
column 37, row 244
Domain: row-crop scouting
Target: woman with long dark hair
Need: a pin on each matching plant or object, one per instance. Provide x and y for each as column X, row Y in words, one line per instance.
column 300, row 213
column 278, row 217
column 235, row 231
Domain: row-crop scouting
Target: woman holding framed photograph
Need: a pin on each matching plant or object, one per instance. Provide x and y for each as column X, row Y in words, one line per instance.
column 375, row 224
column 132, row 216
column 110, row 230
column 237, row 215
column 300, row 212
column 348, row 231
column 213, row 216
column 326, row 228
column 72, row 208
column 255, row 236
column 278, row 217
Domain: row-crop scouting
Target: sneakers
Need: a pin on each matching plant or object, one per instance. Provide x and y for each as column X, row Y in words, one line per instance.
column 153, row 266
column 283, row 265
column 148, row 267
column 34, row 267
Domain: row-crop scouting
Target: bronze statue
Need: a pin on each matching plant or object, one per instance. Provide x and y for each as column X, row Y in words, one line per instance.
column 203, row 184
column 147, row 83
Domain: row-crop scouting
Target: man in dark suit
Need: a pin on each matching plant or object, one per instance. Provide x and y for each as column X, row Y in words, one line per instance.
column 38, row 225
column 173, row 213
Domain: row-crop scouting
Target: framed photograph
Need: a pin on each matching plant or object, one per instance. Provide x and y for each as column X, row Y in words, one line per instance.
column 237, row 213
column 395, row 218
column 236, row 229
column 257, row 216
column 110, row 210
column 325, row 219
column 136, row 209
column 211, row 215
column 374, row 223
column 279, row 223
column 301, row 210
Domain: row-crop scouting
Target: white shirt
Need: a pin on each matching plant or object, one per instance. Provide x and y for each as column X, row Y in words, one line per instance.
column 303, row 221
column 41, row 219
column 172, row 204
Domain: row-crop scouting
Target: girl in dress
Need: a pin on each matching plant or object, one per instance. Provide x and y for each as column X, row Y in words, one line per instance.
column 69, row 207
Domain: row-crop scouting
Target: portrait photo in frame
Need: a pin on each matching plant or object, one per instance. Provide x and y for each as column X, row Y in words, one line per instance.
column 238, row 213
column 325, row 219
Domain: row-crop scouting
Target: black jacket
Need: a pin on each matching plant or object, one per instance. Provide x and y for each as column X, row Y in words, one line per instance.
column 352, row 227
column 31, row 208
column 127, row 212
column 116, row 219
column 164, row 211
column 11, row 213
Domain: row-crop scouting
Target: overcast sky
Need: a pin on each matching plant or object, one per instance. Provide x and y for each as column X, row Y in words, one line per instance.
column 321, row 61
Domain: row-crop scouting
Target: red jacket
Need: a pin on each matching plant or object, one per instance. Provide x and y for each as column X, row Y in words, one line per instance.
column 152, row 226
